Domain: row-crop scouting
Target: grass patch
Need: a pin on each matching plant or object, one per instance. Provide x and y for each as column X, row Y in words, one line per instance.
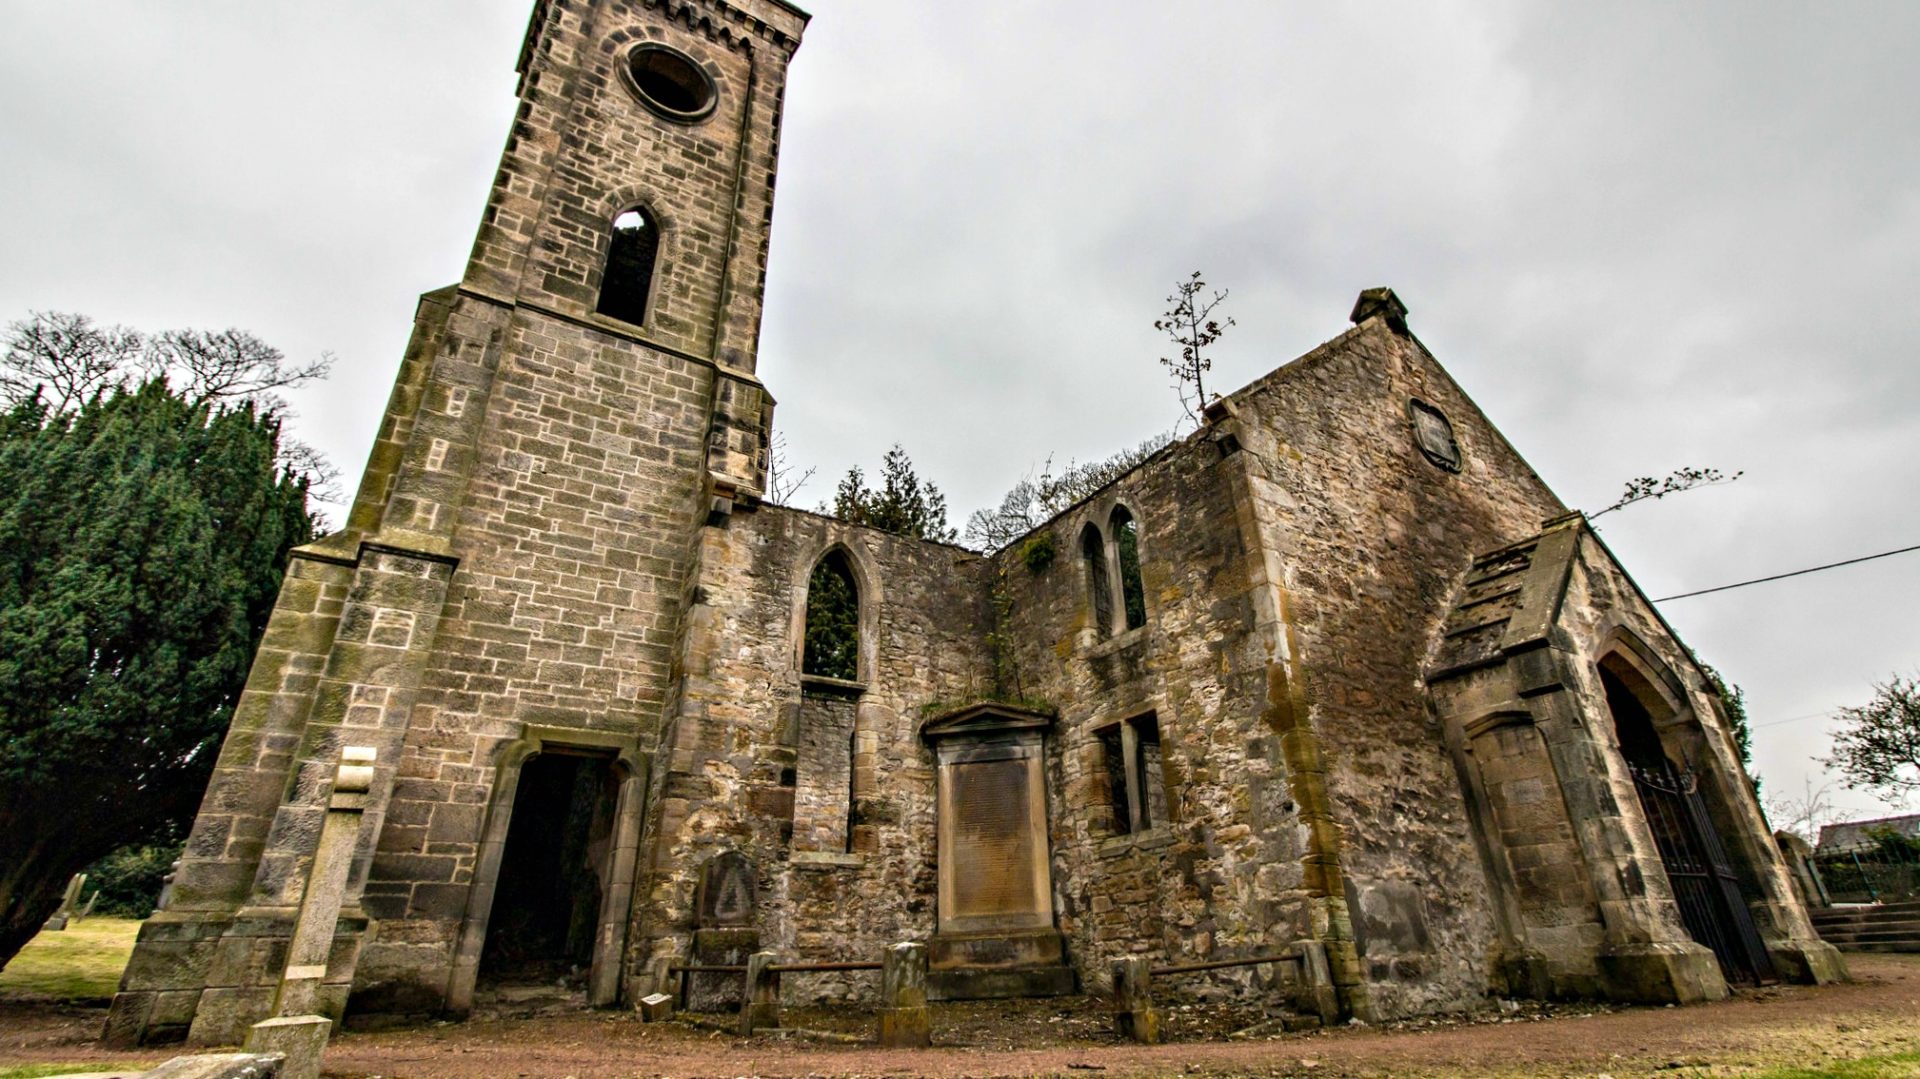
column 81, row 963
column 1891, row 1066
column 36, row 1071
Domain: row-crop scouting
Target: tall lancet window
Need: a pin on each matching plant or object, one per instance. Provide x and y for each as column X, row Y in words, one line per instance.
column 1126, row 544
column 629, row 273
column 833, row 620
column 1093, row 548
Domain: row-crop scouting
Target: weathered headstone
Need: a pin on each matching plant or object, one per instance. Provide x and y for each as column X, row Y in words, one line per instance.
column 724, row 903
column 728, row 891
column 1134, row 1015
column 68, row 902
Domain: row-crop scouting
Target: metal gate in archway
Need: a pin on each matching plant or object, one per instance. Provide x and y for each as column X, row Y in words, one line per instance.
column 1704, row 882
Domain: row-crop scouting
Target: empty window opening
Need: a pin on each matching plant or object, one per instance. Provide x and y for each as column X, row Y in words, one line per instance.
column 629, row 273
column 832, row 648
column 671, row 83
column 546, row 907
column 1135, row 773
column 1126, row 544
column 1099, row 584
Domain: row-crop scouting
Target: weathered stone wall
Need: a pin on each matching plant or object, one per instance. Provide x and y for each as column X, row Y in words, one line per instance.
column 1310, row 481
column 1372, row 535
column 740, row 747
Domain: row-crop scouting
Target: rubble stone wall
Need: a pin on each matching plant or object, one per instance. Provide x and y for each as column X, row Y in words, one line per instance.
column 741, row 746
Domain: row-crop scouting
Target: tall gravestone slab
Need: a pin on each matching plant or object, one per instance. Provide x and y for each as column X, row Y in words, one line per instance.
column 725, row 900
column 995, row 935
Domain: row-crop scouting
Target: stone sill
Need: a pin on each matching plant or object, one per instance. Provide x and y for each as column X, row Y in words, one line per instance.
column 1118, row 643
column 821, row 686
column 825, row 859
column 1152, row 839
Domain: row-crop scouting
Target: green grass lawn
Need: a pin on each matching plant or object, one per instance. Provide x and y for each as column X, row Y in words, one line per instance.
column 1895, row 1066
column 81, row 963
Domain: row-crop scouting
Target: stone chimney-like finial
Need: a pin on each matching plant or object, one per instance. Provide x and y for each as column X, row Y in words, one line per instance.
column 1380, row 301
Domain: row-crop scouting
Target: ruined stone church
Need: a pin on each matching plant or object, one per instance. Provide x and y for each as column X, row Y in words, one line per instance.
column 1337, row 668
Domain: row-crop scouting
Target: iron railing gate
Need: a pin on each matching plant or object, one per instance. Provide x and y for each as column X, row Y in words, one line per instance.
column 1704, row 884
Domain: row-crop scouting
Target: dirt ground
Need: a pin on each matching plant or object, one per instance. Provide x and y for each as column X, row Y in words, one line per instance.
column 1791, row 1026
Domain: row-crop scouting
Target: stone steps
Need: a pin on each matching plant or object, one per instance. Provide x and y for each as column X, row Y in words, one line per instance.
column 1886, row 927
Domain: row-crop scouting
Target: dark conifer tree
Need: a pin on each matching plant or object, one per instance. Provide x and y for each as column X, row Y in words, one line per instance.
column 142, row 540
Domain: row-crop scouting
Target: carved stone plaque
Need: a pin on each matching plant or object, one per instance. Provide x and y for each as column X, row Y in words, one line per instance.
column 993, row 839
column 727, row 891
column 1434, row 435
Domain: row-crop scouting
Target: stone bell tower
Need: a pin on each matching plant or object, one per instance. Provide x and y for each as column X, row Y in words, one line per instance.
column 515, row 566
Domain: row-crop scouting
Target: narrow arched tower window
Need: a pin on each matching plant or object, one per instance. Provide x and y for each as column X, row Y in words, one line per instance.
column 1126, row 545
column 1094, row 550
column 629, row 274
column 832, row 647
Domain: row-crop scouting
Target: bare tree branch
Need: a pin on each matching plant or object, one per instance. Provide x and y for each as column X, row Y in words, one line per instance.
column 1648, row 488
column 66, row 356
column 1189, row 323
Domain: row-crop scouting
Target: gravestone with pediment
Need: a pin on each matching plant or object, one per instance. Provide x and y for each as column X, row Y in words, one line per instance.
column 995, row 934
column 724, row 903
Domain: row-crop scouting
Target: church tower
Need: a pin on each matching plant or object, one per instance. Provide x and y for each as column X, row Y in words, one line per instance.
column 517, row 563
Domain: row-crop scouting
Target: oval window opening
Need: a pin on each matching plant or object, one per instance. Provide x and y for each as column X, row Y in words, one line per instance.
column 670, row 82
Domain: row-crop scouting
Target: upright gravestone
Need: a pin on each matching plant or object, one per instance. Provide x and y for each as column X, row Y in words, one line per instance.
column 724, row 934
column 67, row 904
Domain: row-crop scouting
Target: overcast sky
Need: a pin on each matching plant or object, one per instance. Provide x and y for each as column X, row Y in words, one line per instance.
column 1641, row 235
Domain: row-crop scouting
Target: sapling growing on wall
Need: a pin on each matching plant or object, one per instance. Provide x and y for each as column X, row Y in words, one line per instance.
column 1189, row 323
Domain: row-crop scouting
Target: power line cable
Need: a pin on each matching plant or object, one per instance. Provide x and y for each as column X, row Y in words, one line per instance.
column 1795, row 573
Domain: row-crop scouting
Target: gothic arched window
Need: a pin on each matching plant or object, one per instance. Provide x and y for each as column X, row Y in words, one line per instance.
column 1093, row 548
column 629, row 273
column 832, row 647
column 1126, row 545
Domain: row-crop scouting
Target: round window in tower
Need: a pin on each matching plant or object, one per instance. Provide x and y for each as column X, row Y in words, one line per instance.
column 671, row 83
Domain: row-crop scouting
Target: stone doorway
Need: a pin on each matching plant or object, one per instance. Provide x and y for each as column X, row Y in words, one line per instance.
column 1705, row 885
column 553, row 879
column 995, row 933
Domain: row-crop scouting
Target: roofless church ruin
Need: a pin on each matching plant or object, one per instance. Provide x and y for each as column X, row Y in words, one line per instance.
column 1335, row 670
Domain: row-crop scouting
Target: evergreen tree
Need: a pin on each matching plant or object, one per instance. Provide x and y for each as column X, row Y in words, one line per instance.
column 904, row 503
column 142, row 537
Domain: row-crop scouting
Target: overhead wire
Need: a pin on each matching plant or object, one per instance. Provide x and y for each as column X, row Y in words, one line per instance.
column 1795, row 573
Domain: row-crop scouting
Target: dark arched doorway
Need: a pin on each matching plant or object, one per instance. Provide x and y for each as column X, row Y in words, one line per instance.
column 1705, row 885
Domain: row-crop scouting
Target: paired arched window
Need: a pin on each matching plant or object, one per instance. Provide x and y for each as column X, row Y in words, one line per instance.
column 628, row 277
column 1122, row 581
column 832, row 646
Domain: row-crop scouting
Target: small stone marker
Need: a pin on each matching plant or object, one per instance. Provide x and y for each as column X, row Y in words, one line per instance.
column 655, row 1007
column 761, row 1010
column 1134, row 1015
column 904, row 1020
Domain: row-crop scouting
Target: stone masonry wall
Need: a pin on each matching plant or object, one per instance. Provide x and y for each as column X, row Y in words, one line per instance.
column 1373, row 535
column 1221, row 876
column 738, row 751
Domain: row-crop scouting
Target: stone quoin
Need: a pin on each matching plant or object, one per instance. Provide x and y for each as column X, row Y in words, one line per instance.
column 1336, row 671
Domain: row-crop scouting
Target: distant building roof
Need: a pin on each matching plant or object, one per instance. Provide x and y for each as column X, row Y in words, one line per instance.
column 1854, row 835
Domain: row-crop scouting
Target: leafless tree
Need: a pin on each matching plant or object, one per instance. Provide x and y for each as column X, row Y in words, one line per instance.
column 1805, row 813
column 227, row 365
column 782, row 482
column 66, row 357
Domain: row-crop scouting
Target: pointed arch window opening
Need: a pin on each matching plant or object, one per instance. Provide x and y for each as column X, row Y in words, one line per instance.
column 1126, row 546
column 832, row 642
column 1093, row 548
column 627, row 279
